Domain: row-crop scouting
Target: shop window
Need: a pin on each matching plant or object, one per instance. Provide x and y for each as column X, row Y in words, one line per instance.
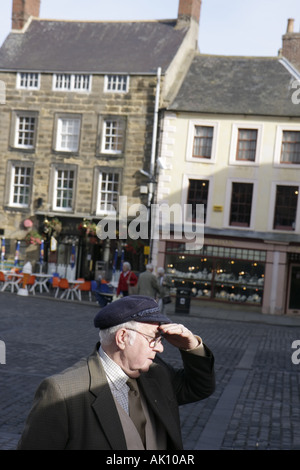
column 241, row 204
column 285, row 207
column 216, row 274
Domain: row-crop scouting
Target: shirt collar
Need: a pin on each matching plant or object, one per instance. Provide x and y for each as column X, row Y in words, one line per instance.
column 114, row 373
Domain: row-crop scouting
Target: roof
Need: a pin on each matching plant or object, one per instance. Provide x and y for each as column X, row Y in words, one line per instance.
column 237, row 85
column 133, row 47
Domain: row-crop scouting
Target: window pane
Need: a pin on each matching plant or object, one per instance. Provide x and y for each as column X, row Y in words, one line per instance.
column 113, row 136
column 290, row 149
column 246, row 146
column 198, row 194
column 109, row 191
column 25, row 131
column 241, row 203
column 68, row 134
column 203, row 136
column 21, row 177
column 64, row 189
column 286, row 207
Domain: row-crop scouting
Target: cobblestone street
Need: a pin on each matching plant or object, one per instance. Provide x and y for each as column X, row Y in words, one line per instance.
column 256, row 404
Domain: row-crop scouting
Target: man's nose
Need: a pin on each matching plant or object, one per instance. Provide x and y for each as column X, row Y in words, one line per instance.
column 159, row 347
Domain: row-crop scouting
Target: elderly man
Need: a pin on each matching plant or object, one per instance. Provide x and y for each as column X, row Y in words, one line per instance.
column 89, row 406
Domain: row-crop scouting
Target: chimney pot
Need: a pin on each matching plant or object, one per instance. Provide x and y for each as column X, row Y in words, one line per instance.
column 290, row 25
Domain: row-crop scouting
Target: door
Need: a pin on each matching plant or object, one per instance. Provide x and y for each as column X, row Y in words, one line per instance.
column 293, row 305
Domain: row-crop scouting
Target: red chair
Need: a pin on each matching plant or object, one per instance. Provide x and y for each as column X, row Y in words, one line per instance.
column 2, row 279
column 30, row 282
column 86, row 287
column 63, row 285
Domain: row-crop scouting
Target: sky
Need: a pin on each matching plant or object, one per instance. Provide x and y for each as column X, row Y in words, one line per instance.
column 227, row 27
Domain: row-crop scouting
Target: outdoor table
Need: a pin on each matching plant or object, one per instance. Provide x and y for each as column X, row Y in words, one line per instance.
column 40, row 282
column 73, row 289
column 12, row 280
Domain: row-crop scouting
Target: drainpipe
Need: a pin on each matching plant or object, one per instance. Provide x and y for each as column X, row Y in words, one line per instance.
column 153, row 156
column 154, row 137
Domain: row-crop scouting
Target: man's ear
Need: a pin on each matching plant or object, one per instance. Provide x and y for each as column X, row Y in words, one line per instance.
column 121, row 338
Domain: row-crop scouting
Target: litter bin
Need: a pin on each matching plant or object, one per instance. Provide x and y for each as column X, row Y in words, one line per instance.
column 183, row 300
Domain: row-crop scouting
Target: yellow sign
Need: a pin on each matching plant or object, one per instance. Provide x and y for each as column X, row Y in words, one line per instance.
column 218, row 208
column 146, row 250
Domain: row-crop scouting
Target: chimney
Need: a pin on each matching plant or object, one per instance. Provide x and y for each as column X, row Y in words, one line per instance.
column 22, row 10
column 188, row 10
column 291, row 45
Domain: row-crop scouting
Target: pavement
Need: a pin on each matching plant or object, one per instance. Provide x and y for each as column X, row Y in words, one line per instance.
column 256, row 404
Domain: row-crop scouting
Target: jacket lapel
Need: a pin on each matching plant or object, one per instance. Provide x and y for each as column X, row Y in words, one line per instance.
column 104, row 405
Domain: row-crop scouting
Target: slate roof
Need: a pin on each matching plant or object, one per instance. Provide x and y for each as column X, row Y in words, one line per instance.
column 138, row 47
column 237, row 85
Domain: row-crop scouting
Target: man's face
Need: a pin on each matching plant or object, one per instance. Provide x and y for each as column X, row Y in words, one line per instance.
column 139, row 354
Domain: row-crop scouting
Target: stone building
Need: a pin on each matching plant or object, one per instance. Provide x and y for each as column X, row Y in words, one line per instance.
column 79, row 123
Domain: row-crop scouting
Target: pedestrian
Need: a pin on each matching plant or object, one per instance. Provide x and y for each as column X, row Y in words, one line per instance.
column 127, row 280
column 89, row 405
column 165, row 283
column 147, row 283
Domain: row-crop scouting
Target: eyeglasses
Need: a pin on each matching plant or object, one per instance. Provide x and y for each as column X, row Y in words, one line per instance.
column 153, row 341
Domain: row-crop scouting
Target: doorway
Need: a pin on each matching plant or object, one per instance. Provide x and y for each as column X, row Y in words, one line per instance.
column 293, row 304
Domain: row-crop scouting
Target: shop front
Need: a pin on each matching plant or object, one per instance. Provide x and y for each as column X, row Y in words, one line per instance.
column 218, row 273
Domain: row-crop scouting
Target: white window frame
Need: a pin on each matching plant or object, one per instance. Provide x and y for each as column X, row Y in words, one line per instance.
column 56, row 188
column 184, row 194
column 234, row 142
column 227, row 209
column 29, row 77
column 278, row 143
column 272, row 206
column 68, row 82
column 13, row 185
column 190, row 142
column 60, row 132
column 107, row 134
column 116, row 83
column 19, row 116
column 107, row 209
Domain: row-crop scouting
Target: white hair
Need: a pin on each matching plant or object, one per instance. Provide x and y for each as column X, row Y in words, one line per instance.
column 149, row 267
column 126, row 263
column 107, row 335
column 160, row 270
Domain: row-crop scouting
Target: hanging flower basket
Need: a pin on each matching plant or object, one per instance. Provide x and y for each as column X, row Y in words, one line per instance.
column 33, row 238
column 88, row 228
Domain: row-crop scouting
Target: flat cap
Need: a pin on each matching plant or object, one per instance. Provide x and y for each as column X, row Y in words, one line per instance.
column 139, row 308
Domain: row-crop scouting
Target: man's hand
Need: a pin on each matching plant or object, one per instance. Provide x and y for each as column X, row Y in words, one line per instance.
column 179, row 336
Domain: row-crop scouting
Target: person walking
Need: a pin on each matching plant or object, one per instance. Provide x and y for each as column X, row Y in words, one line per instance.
column 91, row 405
column 127, row 279
column 147, row 283
column 165, row 284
